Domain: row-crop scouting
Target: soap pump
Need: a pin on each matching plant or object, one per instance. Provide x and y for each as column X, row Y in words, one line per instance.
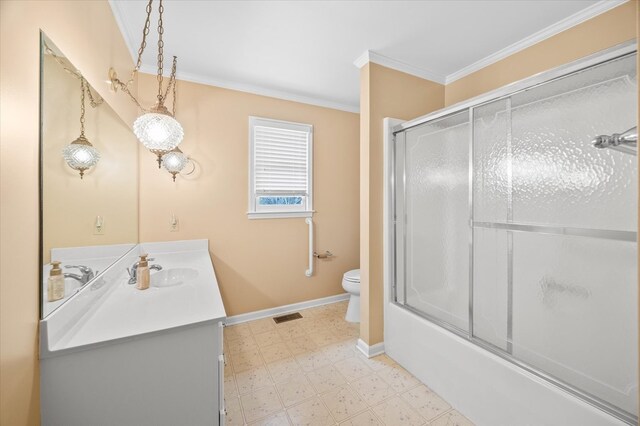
column 144, row 278
column 55, row 283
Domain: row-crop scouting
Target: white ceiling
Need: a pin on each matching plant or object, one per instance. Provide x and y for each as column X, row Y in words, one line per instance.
column 305, row 50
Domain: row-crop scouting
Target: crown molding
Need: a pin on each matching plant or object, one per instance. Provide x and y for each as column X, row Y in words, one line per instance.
column 362, row 60
column 370, row 56
column 571, row 21
column 258, row 90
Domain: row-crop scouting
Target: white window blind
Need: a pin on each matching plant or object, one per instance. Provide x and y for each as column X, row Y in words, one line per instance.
column 281, row 161
column 280, row 172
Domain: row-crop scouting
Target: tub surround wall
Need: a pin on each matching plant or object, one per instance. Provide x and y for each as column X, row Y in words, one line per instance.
column 260, row 264
column 89, row 36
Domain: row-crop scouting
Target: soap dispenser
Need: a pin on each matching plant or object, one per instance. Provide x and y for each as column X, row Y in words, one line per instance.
column 55, row 283
column 144, row 278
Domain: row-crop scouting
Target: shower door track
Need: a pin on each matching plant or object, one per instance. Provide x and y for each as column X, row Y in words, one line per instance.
column 616, row 52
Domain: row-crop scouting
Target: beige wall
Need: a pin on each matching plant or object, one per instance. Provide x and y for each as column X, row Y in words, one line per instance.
column 89, row 36
column 259, row 263
column 608, row 29
column 383, row 93
column 109, row 190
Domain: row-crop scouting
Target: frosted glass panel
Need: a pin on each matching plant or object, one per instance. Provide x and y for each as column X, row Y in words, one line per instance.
column 437, row 219
column 536, row 147
column 558, row 177
column 574, row 312
column 564, row 304
column 490, row 150
column 490, row 286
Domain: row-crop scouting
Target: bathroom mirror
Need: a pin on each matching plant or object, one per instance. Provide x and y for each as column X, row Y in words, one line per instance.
column 89, row 216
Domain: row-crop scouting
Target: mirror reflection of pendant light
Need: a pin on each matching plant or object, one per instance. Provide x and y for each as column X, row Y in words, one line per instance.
column 156, row 128
column 174, row 161
column 80, row 155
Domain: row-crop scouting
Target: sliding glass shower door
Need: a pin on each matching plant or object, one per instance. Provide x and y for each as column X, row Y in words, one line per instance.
column 433, row 169
column 555, row 230
column 527, row 246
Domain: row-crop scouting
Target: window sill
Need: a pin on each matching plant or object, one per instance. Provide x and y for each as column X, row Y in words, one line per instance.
column 278, row 215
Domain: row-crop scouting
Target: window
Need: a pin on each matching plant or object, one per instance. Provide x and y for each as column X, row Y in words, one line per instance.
column 280, row 169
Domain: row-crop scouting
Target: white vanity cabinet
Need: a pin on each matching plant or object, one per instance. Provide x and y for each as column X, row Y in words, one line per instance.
column 115, row 355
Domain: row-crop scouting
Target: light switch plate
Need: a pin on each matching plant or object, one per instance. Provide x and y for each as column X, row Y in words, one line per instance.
column 98, row 226
column 174, row 225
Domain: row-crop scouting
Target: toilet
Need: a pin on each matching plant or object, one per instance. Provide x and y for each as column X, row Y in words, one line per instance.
column 351, row 284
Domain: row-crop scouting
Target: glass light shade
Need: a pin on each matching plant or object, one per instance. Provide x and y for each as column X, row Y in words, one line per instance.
column 81, row 155
column 174, row 161
column 158, row 131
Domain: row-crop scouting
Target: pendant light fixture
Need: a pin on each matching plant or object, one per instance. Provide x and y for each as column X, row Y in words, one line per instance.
column 174, row 161
column 157, row 129
column 80, row 155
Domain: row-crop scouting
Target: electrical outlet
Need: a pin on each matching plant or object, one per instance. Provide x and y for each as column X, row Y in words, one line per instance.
column 174, row 224
column 98, row 226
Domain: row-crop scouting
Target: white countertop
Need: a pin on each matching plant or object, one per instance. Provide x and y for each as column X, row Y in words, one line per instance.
column 118, row 310
column 71, row 286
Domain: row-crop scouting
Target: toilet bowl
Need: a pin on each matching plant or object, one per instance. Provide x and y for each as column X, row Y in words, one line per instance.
column 351, row 284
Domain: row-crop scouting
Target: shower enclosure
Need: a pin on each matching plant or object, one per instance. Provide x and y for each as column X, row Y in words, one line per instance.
column 515, row 230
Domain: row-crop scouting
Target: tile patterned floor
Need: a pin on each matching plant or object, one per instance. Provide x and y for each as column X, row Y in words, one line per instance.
column 308, row 372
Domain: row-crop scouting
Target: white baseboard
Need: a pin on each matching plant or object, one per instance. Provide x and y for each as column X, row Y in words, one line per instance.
column 370, row 351
column 266, row 313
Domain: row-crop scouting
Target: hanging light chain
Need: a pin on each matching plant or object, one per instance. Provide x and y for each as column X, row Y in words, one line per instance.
column 77, row 74
column 172, row 84
column 59, row 60
column 82, row 83
column 145, row 33
column 160, row 51
column 92, row 101
column 173, row 77
column 125, row 87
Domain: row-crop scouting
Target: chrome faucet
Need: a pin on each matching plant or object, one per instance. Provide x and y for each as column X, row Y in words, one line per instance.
column 133, row 271
column 87, row 274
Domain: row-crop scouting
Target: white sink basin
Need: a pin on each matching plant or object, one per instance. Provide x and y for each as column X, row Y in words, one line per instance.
column 173, row 277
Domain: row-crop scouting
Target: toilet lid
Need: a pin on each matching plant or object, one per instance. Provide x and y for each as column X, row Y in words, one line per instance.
column 353, row 276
